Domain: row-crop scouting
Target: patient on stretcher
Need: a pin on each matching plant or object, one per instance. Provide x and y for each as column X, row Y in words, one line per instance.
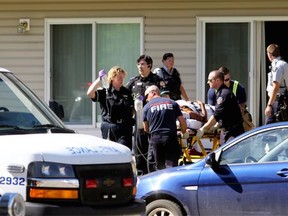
column 195, row 113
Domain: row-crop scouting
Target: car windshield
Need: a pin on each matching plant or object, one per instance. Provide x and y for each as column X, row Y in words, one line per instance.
column 20, row 108
column 267, row 146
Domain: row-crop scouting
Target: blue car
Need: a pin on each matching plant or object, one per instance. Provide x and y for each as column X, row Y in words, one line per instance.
column 247, row 176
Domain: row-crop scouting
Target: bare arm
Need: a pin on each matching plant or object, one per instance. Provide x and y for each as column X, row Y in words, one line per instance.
column 183, row 93
column 203, row 110
column 182, row 122
column 91, row 90
column 211, row 122
column 146, row 126
column 272, row 98
column 242, row 107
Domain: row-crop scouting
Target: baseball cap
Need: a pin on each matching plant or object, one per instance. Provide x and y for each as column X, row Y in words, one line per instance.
column 151, row 88
column 164, row 92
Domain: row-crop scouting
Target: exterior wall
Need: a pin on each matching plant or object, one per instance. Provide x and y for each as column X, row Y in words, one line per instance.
column 168, row 26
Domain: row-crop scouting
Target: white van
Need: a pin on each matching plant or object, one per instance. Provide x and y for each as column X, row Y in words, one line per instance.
column 56, row 170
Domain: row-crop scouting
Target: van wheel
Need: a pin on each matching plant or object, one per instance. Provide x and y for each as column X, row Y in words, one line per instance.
column 163, row 207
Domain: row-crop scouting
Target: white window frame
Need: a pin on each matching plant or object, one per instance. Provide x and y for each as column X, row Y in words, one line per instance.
column 93, row 21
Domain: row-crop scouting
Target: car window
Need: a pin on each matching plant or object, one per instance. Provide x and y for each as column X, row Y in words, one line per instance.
column 20, row 108
column 263, row 147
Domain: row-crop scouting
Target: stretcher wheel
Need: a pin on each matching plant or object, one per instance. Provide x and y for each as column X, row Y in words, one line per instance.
column 184, row 161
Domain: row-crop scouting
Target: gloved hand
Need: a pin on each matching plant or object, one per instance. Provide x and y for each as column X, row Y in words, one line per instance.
column 101, row 73
column 200, row 132
column 185, row 135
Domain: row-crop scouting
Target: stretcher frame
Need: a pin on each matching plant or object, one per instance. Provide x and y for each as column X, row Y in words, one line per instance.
column 187, row 158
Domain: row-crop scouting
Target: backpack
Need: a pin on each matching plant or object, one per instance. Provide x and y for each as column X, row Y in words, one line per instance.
column 246, row 115
column 247, row 121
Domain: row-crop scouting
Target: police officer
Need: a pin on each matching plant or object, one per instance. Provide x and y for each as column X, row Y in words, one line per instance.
column 159, row 116
column 236, row 87
column 277, row 82
column 227, row 111
column 138, row 85
column 117, row 106
column 172, row 78
column 240, row 93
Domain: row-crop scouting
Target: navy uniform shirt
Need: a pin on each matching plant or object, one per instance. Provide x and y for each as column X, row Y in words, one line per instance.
column 240, row 94
column 139, row 84
column 227, row 111
column 116, row 106
column 172, row 82
column 161, row 113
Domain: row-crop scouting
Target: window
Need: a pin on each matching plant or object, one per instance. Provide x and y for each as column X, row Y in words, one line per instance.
column 227, row 44
column 78, row 49
column 267, row 146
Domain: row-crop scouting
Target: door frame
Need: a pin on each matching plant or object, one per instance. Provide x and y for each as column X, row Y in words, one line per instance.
column 49, row 22
column 257, row 59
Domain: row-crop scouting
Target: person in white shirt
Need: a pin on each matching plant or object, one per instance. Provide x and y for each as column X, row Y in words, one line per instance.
column 277, row 82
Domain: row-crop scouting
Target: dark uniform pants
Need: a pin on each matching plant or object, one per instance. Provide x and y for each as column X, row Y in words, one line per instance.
column 143, row 152
column 166, row 150
column 230, row 133
column 120, row 133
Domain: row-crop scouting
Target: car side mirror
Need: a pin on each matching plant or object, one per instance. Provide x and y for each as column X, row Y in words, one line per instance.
column 211, row 160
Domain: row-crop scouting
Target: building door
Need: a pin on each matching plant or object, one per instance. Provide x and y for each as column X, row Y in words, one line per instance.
column 77, row 49
column 239, row 43
column 276, row 32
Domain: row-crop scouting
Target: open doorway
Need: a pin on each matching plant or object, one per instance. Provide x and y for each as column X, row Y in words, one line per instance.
column 240, row 44
column 275, row 32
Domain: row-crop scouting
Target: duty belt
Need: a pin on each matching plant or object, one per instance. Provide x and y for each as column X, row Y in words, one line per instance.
column 119, row 121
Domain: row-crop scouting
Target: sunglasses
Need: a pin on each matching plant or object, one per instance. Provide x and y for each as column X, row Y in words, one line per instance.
column 226, row 80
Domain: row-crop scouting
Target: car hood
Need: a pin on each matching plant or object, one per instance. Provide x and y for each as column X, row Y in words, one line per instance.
column 65, row 148
column 176, row 177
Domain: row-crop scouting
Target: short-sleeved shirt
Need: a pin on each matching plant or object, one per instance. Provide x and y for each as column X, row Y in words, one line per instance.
column 172, row 81
column 138, row 84
column 240, row 93
column 279, row 73
column 161, row 113
column 227, row 111
column 116, row 106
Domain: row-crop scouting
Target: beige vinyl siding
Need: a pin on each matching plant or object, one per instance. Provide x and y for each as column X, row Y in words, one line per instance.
column 23, row 53
column 177, row 35
column 169, row 26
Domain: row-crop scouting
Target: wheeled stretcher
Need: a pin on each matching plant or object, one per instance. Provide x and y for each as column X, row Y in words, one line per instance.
column 194, row 148
column 189, row 146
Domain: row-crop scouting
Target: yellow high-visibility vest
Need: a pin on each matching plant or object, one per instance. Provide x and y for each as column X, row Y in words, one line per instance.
column 235, row 85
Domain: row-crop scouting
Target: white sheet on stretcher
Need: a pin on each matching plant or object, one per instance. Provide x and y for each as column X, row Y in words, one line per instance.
column 192, row 123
